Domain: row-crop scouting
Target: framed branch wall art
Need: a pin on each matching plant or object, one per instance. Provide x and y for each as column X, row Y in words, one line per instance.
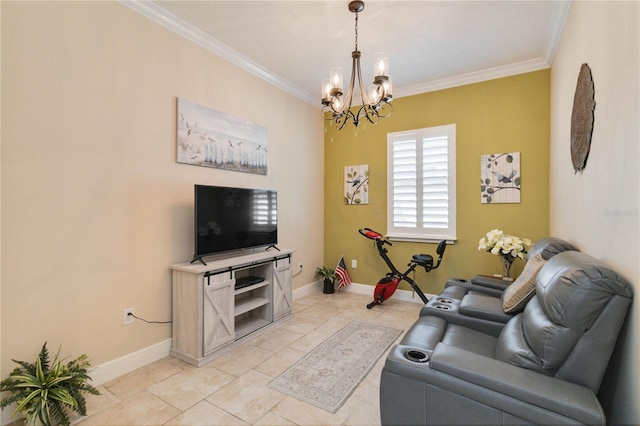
column 356, row 184
column 500, row 178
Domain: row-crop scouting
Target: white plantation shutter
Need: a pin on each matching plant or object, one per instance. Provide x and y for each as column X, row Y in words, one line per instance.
column 405, row 175
column 435, row 184
column 421, row 184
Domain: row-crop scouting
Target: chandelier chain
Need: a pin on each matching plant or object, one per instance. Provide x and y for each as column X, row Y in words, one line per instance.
column 356, row 31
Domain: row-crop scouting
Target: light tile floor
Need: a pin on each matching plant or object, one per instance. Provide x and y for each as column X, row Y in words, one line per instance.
column 232, row 389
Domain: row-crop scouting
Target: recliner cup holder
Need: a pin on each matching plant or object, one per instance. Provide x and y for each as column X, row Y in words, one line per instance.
column 445, row 300
column 442, row 307
column 416, row 356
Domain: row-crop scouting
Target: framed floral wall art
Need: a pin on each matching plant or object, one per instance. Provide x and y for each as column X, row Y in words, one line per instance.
column 356, row 184
column 500, row 178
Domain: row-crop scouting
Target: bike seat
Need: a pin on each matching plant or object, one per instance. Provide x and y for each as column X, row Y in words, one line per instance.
column 425, row 260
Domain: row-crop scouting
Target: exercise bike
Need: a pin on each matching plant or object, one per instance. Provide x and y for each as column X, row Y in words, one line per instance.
column 387, row 285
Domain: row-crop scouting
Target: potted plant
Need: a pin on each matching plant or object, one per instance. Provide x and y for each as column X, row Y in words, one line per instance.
column 329, row 276
column 47, row 390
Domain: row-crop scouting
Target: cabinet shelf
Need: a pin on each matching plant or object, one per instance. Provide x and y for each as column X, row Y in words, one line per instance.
column 252, row 287
column 248, row 325
column 250, row 304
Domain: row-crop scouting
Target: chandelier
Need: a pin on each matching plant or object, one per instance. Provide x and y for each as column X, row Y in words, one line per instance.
column 375, row 101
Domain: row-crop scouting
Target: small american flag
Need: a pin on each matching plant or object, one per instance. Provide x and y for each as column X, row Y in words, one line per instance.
column 343, row 275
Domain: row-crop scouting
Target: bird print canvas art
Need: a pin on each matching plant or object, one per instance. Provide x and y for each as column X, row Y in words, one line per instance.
column 206, row 137
column 500, row 178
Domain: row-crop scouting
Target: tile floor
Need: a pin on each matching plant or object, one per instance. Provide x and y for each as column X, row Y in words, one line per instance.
column 232, row 389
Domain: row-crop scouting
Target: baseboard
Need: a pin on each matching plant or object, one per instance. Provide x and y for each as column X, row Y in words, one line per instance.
column 113, row 369
column 307, row 289
column 403, row 295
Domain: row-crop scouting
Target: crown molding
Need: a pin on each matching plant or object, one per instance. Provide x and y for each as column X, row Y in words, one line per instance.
column 558, row 19
column 473, row 77
column 180, row 27
column 170, row 21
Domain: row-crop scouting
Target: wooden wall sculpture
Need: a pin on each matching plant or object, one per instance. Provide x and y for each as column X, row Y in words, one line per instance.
column 582, row 117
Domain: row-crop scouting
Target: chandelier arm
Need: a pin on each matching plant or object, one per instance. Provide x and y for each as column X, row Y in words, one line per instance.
column 371, row 114
column 342, row 119
column 384, row 109
column 363, row 93
column 355, row 55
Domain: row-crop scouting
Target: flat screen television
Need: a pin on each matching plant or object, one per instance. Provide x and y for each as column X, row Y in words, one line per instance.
column 232, row 219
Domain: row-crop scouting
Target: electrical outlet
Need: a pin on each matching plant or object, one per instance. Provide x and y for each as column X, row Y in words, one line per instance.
column 128, row 319
column 354, row 263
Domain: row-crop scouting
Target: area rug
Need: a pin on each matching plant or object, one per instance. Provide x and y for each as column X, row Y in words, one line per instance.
column 328, row 375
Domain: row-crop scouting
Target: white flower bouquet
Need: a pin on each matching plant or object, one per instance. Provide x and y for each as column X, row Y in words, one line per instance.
column 506, row 246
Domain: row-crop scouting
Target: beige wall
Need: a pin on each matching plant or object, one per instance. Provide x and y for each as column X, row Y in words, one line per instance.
column 503, row 115
column 599, row 209
column 94, row 206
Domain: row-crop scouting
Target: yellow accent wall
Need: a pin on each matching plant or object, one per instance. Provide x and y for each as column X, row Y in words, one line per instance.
column 509, row 114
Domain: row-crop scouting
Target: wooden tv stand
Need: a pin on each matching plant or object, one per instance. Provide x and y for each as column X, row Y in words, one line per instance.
column 229, row 298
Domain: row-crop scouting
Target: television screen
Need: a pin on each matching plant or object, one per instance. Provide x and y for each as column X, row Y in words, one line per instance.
column 228, row 219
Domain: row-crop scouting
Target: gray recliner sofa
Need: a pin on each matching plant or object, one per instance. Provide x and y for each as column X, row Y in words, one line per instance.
column 545, row 366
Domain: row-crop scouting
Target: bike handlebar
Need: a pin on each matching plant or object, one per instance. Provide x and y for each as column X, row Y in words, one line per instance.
column 373, row 235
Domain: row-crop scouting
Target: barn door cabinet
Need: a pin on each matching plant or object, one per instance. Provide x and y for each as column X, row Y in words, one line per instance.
column 218, row 304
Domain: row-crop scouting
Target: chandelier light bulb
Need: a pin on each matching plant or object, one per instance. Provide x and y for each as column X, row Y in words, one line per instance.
column 374, row 95
column 388, row 88
column 335, row 77
column 326, row 92
column 381, row 64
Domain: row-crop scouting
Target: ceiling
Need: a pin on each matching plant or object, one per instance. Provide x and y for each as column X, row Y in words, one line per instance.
column 432, row 44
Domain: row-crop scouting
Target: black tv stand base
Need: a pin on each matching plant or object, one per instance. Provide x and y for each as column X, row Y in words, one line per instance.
column 198, row 259
column 272, row 246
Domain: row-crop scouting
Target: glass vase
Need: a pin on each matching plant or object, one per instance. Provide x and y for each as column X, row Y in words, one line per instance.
column 506, row 268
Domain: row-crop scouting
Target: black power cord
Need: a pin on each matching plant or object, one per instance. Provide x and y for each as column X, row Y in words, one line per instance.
column 149, row 322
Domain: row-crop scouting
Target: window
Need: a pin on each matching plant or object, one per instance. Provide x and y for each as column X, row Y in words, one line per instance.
column 421, row 203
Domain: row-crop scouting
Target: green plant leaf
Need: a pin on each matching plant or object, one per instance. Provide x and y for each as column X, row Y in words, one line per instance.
column 46, row 390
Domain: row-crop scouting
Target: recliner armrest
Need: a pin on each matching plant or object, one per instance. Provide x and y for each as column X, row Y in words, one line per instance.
column 490, row 282
column 486, row 285
column 484, row 307
column 559, row 396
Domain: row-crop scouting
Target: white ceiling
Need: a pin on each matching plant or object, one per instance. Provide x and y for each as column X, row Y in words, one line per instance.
column 432, row 44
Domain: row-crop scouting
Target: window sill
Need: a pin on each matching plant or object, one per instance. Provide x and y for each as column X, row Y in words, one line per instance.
column 422, row 239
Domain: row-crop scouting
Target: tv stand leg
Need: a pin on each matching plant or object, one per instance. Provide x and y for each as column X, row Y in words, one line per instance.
column 198, row 259
column 272, row 246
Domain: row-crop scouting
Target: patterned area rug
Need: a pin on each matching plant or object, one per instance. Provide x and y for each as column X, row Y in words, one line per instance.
column 328, row 375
